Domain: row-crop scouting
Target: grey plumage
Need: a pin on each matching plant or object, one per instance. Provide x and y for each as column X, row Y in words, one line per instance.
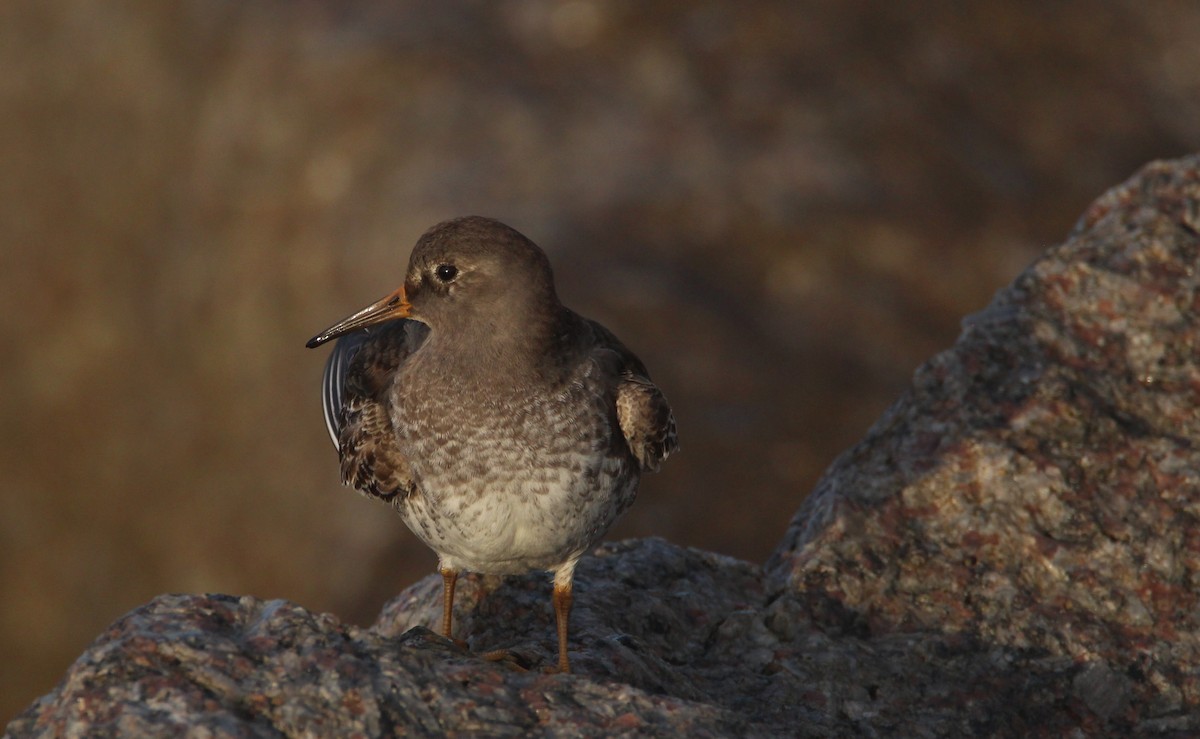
column 508, row 431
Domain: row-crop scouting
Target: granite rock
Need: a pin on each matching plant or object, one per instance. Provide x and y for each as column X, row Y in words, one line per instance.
column 1038, row 487
column 1012, row 550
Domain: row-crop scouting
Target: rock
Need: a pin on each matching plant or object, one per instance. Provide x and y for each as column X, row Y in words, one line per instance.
column 1038, row 487
column 233, row 666
column 1013, row 549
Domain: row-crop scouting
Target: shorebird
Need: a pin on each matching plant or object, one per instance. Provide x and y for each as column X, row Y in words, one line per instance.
column 508, row 431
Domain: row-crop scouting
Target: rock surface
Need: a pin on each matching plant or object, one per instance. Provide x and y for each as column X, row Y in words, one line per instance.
column 1013, row 549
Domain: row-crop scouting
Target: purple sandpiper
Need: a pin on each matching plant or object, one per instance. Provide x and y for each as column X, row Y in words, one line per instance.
column 508, row 431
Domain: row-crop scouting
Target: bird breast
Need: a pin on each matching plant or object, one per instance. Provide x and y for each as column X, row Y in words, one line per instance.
column 530, row 476
column 463, row 433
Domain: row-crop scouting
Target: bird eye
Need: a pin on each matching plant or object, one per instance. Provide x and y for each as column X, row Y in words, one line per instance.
column 446, row 272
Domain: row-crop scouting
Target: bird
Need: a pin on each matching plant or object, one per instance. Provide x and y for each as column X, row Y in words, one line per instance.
column 508, row 431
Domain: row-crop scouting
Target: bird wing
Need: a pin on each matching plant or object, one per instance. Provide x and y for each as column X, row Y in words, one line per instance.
column 646, row 421
column 645, row 416
column 333, row 382
column 358, row 377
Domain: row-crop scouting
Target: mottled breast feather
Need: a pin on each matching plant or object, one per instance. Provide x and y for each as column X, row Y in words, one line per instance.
column 358, row 376
column 646, row 420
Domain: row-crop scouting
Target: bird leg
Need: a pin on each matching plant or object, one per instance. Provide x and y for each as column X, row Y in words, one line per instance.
column 449, row 577
column 562, row 615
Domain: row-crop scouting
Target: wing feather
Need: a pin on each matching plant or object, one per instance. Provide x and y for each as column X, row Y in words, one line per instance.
column 358, row 378
column 646, row 419
column 333, row 382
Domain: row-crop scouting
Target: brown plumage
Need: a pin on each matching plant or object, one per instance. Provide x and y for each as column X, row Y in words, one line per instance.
column 508, row 431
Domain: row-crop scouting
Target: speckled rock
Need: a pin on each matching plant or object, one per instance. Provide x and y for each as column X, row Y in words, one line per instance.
column 1012, row 550
column 220, row 665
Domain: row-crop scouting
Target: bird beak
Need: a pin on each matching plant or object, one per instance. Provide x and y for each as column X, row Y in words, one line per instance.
column 393, row 306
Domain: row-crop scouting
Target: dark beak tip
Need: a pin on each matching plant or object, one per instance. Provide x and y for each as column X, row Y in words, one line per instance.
column 315, row 341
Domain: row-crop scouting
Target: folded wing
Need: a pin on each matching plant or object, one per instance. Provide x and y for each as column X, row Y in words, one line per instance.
column 358, row 377
column 645, row 416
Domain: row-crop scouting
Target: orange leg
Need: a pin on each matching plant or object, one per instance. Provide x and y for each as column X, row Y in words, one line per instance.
column 449, row 577
column 562, row 614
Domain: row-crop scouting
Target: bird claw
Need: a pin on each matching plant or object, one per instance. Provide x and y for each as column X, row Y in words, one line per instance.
column 510, row 657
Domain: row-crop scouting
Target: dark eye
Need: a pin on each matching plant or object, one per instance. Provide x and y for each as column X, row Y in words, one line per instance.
column 446, row 272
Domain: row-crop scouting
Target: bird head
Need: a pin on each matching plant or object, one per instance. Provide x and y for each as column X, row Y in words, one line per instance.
column 470, row 276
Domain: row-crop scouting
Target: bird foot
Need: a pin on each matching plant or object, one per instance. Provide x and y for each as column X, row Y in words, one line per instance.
column 510, row 657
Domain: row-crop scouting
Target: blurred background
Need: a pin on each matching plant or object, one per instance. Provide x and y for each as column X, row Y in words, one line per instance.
column 783, row 207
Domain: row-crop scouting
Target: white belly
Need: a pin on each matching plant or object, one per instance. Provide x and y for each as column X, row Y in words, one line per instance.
column 513, row 527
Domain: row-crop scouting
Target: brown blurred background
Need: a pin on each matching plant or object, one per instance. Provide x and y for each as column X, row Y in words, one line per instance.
column 784, row 207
